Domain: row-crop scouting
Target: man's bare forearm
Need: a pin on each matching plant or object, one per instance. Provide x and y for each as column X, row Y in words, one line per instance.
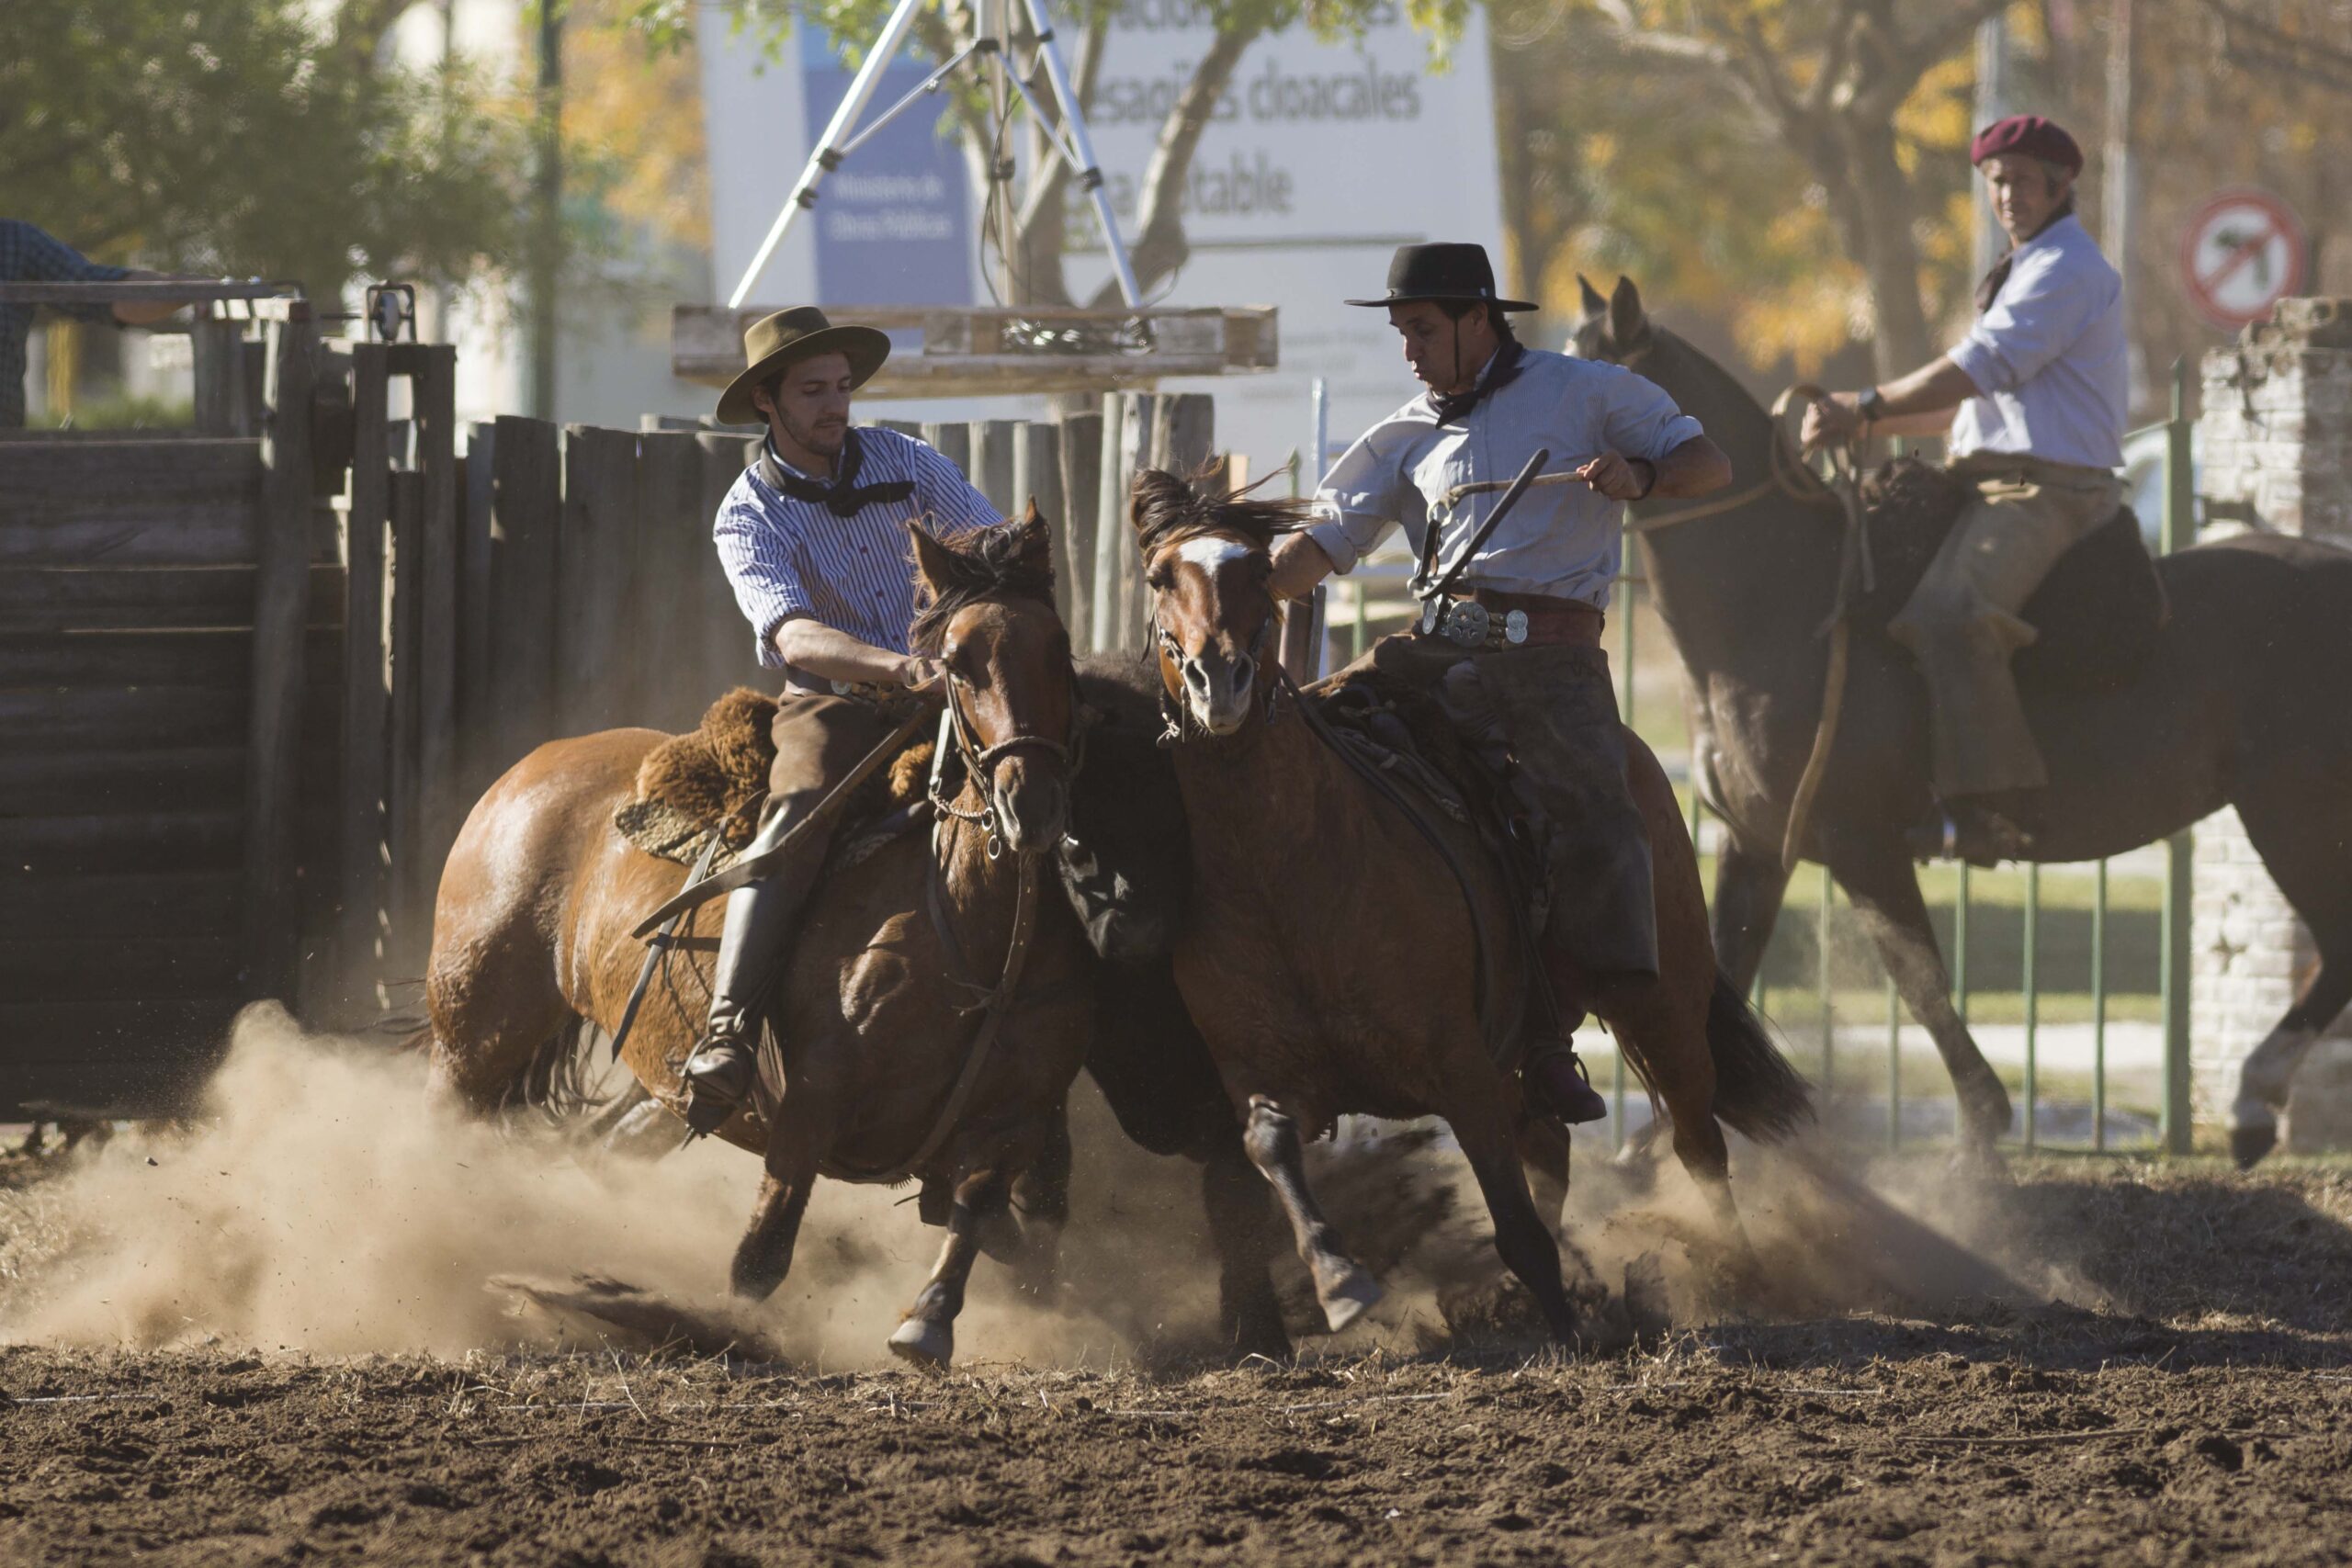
column 1697, row 466
column 837, row 656
column 1299, row 564
column 145, row 312
column 1937, row 387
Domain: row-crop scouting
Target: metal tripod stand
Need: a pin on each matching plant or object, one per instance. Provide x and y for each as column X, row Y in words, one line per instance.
column 1070, row 141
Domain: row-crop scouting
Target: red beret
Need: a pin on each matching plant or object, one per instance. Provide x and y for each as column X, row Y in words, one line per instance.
column 2030, row 136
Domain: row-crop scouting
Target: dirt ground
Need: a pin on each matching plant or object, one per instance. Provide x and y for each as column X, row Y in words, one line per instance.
column 2168, row 1378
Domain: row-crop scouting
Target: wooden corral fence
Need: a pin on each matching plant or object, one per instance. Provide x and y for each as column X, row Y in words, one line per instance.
column 251, row 683
column 170, row 630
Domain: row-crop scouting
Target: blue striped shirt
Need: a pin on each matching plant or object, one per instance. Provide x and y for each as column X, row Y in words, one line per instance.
column 788, row 559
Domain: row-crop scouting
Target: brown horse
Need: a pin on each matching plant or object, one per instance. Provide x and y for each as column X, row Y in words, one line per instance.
column 876, row 1013
column 1331, row 958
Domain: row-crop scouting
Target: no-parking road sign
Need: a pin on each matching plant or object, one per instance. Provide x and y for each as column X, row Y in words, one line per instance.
column 2242, row 253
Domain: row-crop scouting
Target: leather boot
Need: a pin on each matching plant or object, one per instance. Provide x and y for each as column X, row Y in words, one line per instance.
column 1556, row 1081
column 753, row 942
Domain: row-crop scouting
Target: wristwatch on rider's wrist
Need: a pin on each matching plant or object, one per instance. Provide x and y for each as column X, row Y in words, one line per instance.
column 1870, row 405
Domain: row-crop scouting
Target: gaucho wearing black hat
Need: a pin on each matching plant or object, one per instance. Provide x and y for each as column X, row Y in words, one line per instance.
column 1510, row 631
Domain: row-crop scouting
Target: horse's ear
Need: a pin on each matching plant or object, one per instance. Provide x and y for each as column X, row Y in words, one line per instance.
column 1626, row 318
column 932, row 559
column 1590, row 298
column 1036, row 536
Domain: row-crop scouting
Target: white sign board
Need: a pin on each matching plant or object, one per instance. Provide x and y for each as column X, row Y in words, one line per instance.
column 2241, row 254
column 1319, row 159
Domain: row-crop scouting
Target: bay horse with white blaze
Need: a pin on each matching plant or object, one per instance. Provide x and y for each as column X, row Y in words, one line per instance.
column 2243, row 701
column 881, row 1074
column 1331, row 961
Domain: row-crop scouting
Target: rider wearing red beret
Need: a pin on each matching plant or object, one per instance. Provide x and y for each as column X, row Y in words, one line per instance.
column 2034, row 399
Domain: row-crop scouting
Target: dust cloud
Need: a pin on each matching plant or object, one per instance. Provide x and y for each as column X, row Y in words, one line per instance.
column 318, row 1204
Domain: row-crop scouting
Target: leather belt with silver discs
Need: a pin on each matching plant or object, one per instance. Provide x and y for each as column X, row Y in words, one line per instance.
column 1472, row 624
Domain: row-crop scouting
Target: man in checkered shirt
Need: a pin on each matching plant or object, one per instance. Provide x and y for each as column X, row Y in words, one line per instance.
column 29, row 254
column 813, row 537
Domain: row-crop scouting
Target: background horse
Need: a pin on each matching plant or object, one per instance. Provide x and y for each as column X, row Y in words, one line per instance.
column 2242, row 702
column 874, row 1013
column 1329, row 957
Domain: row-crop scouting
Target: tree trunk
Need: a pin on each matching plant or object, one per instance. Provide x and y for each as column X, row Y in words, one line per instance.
column 1884, row 244
column 1159, row 246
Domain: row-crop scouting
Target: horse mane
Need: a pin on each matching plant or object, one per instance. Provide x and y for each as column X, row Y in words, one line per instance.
column 1014, row 561
column 1169, row 509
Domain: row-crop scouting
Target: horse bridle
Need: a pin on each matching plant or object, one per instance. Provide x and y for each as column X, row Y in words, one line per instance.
column 1175, row 718
column 1176, row 722
column 980, row 761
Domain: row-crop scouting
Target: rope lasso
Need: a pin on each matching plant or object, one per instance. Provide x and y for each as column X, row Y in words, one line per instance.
column 1853, row 561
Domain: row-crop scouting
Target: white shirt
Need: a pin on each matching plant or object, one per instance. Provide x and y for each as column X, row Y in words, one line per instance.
column 1564, row 540
column 2049, row 358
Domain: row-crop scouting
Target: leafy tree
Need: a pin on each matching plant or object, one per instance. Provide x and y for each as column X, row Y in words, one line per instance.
column 1872, row 99
column 1610, row 163
column 261, row 137
column 1032, row 233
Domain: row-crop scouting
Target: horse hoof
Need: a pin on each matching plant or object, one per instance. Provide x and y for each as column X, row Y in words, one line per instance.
column 1975, row 1161
column 2248, row 1145
column 923, row 1342
column 1346, row 1301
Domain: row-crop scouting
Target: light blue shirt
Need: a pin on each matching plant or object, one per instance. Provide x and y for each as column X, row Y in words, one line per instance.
column 2050, row 361
column 1564, row 540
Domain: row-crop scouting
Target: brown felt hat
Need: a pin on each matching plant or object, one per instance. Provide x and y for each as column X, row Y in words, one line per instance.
column 801, row 332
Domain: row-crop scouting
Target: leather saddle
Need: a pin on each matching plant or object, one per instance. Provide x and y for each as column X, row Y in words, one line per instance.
column 1410, row 737
column 2098, row 612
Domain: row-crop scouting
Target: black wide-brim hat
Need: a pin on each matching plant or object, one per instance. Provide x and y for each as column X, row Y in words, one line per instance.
column 802, row 332
column 1444, row 270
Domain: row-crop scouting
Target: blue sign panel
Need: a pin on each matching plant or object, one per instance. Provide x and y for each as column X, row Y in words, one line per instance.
column 894, row 222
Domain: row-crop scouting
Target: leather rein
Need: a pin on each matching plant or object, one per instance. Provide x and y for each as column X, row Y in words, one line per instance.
column 1788, row 473
column 994, row 1003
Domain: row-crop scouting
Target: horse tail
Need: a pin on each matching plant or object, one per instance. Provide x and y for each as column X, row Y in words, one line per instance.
column 554, row 1081
column 1756, row 1091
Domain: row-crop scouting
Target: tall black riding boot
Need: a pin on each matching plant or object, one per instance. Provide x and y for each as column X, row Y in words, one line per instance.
column 752, row 947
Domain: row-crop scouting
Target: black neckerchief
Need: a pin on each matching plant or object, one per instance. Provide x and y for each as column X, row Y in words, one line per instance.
column 1501, row 370
column 844, row 497
column 1990, row 288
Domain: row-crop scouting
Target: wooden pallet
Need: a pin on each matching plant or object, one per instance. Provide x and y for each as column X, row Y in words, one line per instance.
column 952, row 351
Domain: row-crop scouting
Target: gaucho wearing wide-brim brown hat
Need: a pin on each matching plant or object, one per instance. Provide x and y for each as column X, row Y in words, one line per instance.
column 1441, row 270
column 802, row 332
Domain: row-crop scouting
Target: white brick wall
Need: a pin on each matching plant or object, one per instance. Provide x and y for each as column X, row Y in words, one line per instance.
column 2276, row 431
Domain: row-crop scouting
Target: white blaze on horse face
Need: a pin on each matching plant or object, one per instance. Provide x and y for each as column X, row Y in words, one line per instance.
column 1208, row 552
column 1217, row 690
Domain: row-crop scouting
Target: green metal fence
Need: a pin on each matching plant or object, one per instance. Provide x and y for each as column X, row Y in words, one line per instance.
column 2153, row 1113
